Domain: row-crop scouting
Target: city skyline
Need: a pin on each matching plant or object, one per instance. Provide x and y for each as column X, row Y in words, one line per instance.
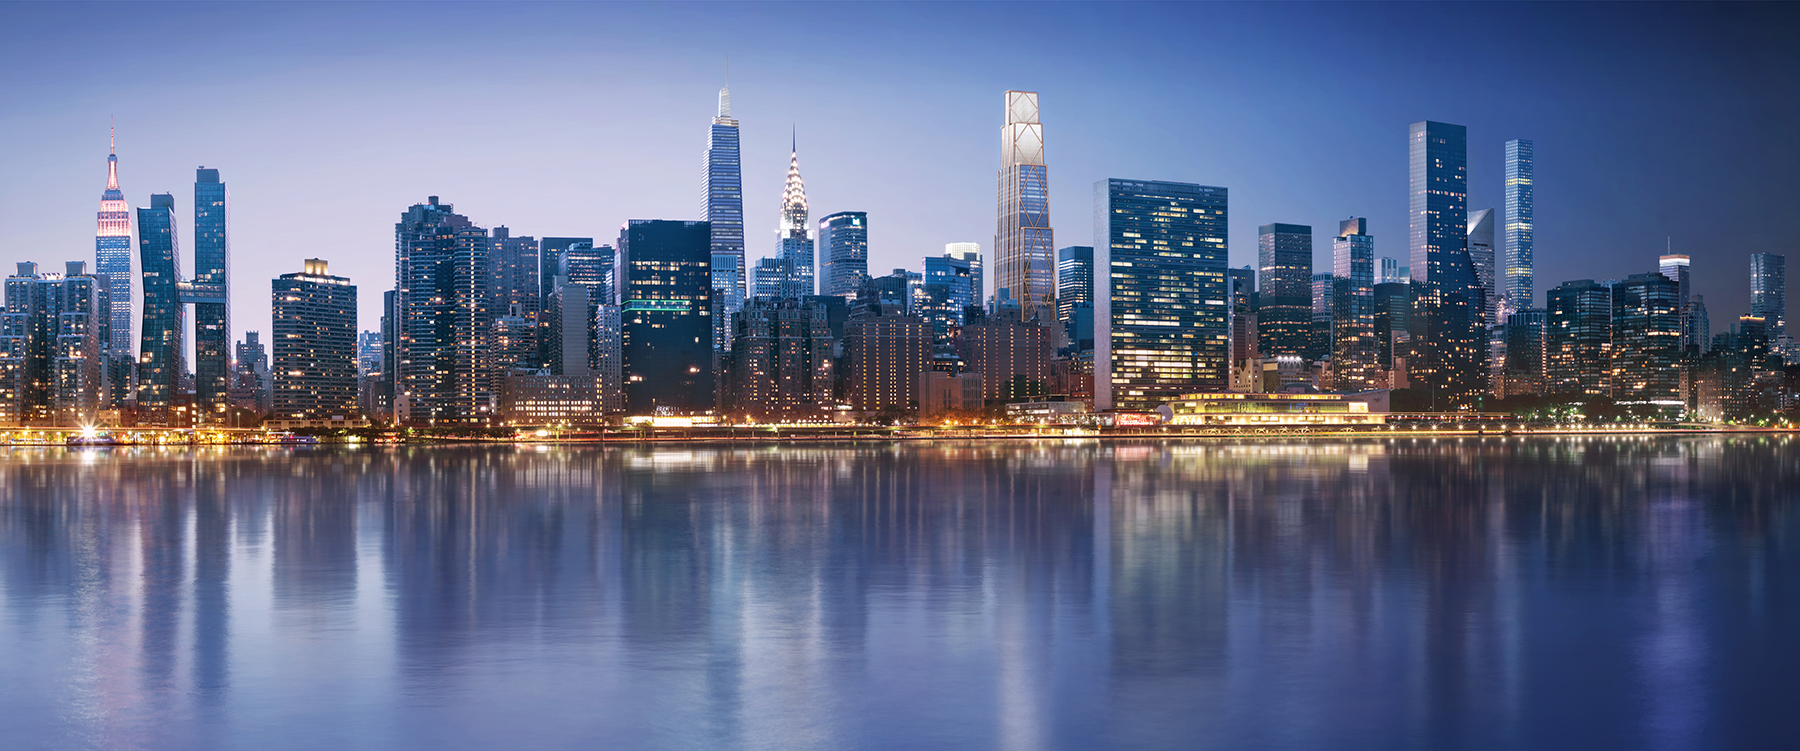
column 567, row 173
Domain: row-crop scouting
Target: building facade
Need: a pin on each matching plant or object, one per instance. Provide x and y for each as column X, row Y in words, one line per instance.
column 210, row 293
column 793, row 265
column 112, row 263
column 1646, row 340
column 665, row 290
column 888, row 355
column 162, row 356
column 315, row 345
column 1284, row 301
column 441, row 295
column 844, row 236
column 723, row 207
column 1481, row 255
column 1074, row 281
column 1024, row 242
column 1449, row 344
column 1159, row 293
column 781, row 363
column 1578, row 339
column 1768, row 291
column 50, row 347
column 1355, row 351
column 1516, row 269
column 1523, row 372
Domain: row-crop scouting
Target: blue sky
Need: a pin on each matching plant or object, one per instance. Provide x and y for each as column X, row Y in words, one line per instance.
column 1652, row 122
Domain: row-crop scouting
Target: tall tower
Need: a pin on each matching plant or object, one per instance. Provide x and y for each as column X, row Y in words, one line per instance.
column 1023, row 242
column 1449, row 342
column 794, row 249
column 1284, row 309
column 112, row 264
column 1517, row 226
column 1481, row 256
column 724, row 206
column 441, row 276
column 314, row 315
column 1354, row 349
column 1768, row 291
column 844, row 238
column 210, row 293
column 163, row 357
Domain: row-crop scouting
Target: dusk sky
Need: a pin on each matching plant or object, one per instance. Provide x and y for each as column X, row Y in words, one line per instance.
column 327, row 120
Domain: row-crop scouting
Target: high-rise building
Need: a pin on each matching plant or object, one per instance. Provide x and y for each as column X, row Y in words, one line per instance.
column 781, row 368
column 515, row 288
column 1318, row 346
column 590, row 262
column 368, row 373
column 1646, row 340
column 1768, row 291
column 948, row 293
column 970, row 253
column 1481, row 255
column 162, row 357
column 1023, row 243
column 1355, row 353
column 112, row 263
column 210, row 292
column 441, row 295
column 50, row 344
column 569, row 337
column 315, row 345
column 1392, row 272
column 723, row 206
column 253, row 388
column 1578, row 339
column 608, row 359
column 1159, row 292
column 888, row 355
column 1393, row 304
column 1449, row 343
column 794, row 248
column 1284, row 302
column 1698, row 331
column 1678, row 269
column 844, row 237
column 1011, row 355
column 665, row 288
column 1518, row 224
column 1523, row 372
column 1074, row 281
column 1243, row 301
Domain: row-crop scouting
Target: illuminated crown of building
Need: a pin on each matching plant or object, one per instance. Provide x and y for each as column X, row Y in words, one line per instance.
column 113, row 219
column 793, row 201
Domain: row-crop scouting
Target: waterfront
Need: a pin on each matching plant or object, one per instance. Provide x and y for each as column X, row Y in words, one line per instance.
column 1477, row 592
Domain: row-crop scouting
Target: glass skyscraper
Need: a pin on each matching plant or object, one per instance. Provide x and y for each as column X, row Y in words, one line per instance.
column 665, row 287
column 723, row 207
column 1578, row 339
column 112, row 264
column 1516, row 268
column 793, row 267
column 210, row 292
column 1159, row 293
column 844, row 238
column 1284, row 304
column 442, row 277
column 50, row 347
column 1768, row 291
column 1024, row 243
column 162, row 356
column 1449, row 342
column 1646, row 340
column 1354, row 351
column 1481, row 256
column 1074, row 280
column 970, row 252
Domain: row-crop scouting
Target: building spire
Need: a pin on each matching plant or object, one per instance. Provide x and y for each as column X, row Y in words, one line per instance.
column 112, row 161
column 793, row 197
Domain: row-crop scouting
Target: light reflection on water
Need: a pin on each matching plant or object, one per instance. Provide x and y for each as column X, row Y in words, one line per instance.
column 1472, row 593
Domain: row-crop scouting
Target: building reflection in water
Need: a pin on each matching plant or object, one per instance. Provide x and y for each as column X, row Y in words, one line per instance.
column 1475, row 592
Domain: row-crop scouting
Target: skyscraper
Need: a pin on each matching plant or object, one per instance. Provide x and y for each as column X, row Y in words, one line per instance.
column 781, row 368
column 1578, row 339
column 1646, row 340
column 666, row 292
column 1518, row 225
column 315, row 344
column 515, row 288
column 112, row 263
column 255, row 382
column 948, row 292
column 50, row 347
column 441, row 294
column 210, row 293
column 970, row 252
column 1284, row 303
column 1768, row 291
column 1074, row 280
column 1318, row 345
column 794, row 248
column 844, row 237
column 1677, row 268
column 1354, row 352
column 1481, row 256
column 1159, row 292
column 162, row 359
column 1023, row 243
column 723, row 206
column 1449, row 347
column 1241, row 285
column 1524, row 368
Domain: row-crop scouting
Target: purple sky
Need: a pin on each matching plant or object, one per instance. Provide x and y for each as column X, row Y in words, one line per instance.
column 327, row 120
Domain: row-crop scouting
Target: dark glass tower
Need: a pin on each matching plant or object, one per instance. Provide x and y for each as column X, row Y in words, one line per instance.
column 1284, row 303
column 162, row 356
column 1768, row 291
column 1354, row 350
column 315, row 344
column 1577, row 335
column 1646, row 340
column 1521, row 160
column 50, row 347
column 112, row 264
column 724, row 205
column 209, row 291
column 665, row 288
column 1159, row 292
column 1481, row 256
column 1449, row 347
column 1074, row 280
column 441, row 297
column 844, row 238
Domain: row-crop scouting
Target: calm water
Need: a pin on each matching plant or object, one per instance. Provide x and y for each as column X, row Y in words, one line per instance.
column 1542, row 593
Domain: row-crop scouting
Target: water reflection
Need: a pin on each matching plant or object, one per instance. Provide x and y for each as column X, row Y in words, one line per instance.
column 1476, row 593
